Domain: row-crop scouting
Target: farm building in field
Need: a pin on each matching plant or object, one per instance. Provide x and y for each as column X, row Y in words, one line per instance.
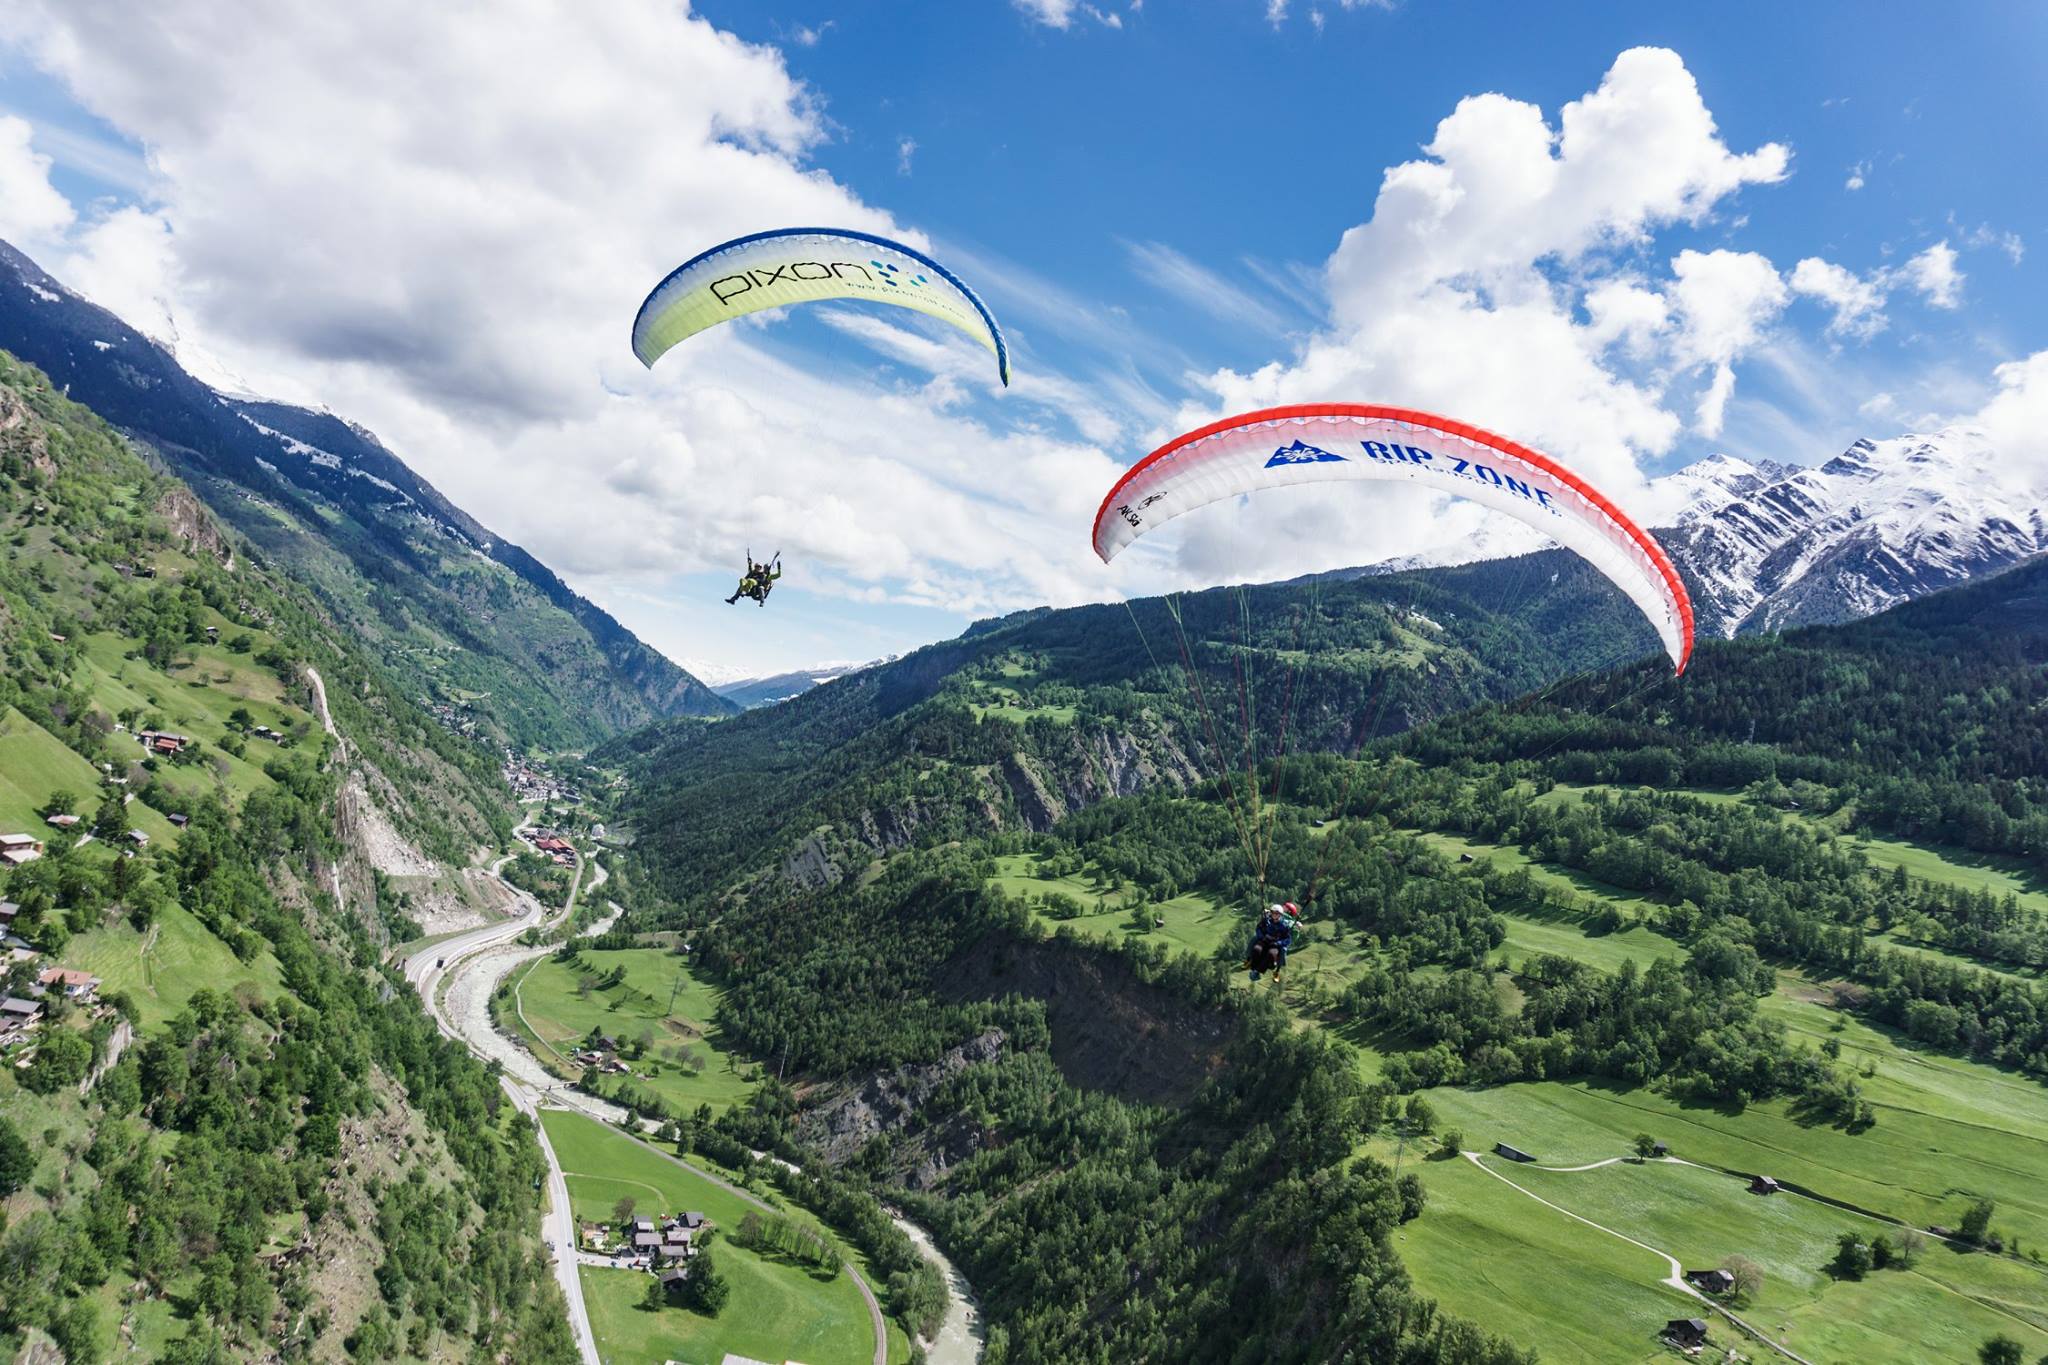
column 1713, row 1281
column 16, row 849
column 60, row 821
column 1511, row 1153
column 1686, row 1333
column 1762, row 1184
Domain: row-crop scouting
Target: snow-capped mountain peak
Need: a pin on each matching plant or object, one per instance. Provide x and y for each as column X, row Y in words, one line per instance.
column 1715, row 479
column 1772, row 546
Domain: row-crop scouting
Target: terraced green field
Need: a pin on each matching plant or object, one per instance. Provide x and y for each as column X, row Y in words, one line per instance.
column 778, row 1310
column 555, row 1014
column 35, row 765
column 1191, row 922
column 1948, row 1131
column 1958, row 867
column 162, row 966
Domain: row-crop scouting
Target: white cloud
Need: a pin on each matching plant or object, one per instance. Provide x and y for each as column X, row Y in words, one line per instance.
column 31, row 211
column 1276, row 12
column 1463, row 293
column 1725, row 299
column 1933, row 272
column 2016, row 418
column 1857, row 304
column 1858, row 174
column 906, row 148
column 1051, row 13
column 810, row 36
column 458, row 265
column 1984, row 235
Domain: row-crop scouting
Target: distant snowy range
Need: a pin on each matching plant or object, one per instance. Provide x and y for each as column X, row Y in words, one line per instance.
column 1767, row 546
column 1773, row 546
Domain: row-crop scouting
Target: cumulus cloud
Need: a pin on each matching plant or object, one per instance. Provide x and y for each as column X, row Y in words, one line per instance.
column 31, row 211
column 1506, row 276
column 1856, row 304
column 2016, row 418
column 458, row 273
column 1933, row 272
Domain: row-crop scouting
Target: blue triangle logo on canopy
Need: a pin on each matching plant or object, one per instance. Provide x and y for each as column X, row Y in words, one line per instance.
column 1302, row 453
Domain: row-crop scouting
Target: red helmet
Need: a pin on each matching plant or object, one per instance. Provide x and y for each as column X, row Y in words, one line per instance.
column 1291, row 908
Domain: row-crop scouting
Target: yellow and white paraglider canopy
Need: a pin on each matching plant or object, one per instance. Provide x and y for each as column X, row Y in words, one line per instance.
column 805, row 265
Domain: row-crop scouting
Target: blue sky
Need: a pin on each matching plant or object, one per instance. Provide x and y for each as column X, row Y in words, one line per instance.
column 441, row 228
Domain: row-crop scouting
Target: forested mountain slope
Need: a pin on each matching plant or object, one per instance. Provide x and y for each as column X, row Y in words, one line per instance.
column 1622, row 903
column 459, row 615
column 1931, row 718
column 230, row 1135
column 1026, row 718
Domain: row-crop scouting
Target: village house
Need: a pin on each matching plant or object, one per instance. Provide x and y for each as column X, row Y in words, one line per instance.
column 1712, row 1281
column 60, row 821
column 180, row 820
column 161, row 741
column 672, row 1282
column 8, row 910
column 18, row 1016
column 78, row 986
column 1762, row 1184
column 594, row 1235
column 137, row 837
column 16, row 849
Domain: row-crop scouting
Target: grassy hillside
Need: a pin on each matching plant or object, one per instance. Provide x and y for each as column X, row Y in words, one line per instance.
column 250, row 1141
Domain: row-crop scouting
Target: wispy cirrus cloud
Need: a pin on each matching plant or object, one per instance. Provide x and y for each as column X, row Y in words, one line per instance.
column 1195, row 284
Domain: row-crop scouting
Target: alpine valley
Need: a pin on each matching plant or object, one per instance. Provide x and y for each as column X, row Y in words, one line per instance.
column 409, row 960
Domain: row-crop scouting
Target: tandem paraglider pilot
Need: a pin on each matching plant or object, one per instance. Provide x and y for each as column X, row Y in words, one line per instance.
column 759, row 580
column 1272, row 939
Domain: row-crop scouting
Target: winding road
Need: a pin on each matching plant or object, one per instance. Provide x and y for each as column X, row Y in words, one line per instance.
column 427, row 970
column 457, row 977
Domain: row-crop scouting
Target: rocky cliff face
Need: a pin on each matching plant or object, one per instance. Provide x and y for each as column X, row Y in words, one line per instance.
column 840, row 1121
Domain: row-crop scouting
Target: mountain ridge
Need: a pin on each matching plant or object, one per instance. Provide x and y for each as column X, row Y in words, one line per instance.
column 388, row 552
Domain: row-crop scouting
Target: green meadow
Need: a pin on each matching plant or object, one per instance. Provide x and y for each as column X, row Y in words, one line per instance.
column 160, row 967
column 778, row 1310
column 687, row 1062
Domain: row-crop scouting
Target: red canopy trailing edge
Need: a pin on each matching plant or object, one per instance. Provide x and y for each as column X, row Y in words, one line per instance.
column 1315, row 442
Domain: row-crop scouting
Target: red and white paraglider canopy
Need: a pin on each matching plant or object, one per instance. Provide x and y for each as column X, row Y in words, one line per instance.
column 1314, row 442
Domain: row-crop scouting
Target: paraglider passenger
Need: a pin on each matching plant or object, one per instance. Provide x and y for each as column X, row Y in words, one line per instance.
column 759, row 580
column 1272, row 939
